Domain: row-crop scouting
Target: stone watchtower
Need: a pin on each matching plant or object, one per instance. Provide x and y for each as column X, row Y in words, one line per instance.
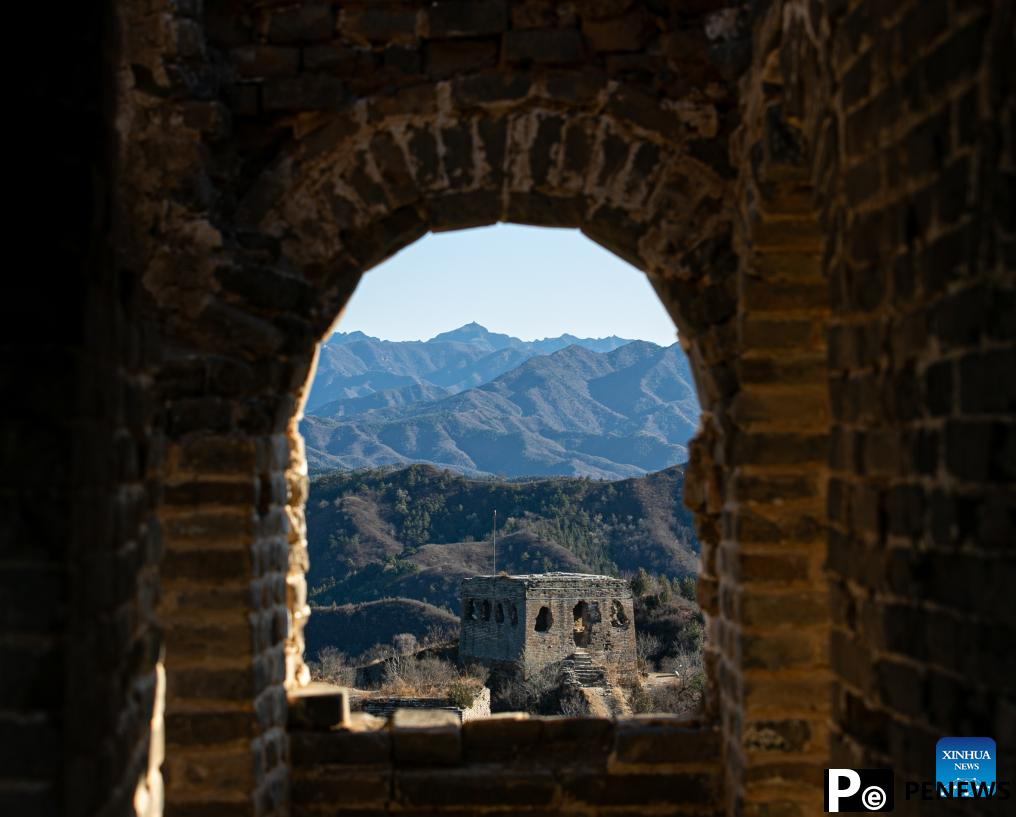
column 528, row 622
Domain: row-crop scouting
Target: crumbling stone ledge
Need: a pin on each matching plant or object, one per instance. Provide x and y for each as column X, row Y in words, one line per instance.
column 426, row 761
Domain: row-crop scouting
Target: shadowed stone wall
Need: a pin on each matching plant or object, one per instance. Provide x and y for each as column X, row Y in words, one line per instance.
column 426, row 763
column 80, row 683
column 908, row 112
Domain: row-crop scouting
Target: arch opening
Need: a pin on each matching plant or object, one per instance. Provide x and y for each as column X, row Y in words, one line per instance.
column 582, row 625
column 660, row 207
column 618, row 617
column 418, row 507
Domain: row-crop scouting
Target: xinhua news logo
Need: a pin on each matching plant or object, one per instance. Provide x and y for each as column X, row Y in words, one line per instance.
column 965, row 767
column 858, row 790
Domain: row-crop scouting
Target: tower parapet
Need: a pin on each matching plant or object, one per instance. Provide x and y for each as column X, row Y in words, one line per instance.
column 531, row 621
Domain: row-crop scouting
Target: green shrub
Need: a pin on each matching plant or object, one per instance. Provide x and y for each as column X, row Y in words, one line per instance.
column 461, row 694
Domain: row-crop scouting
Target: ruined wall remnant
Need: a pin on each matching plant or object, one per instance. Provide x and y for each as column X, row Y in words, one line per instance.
column 384, row 707
column 550, row 616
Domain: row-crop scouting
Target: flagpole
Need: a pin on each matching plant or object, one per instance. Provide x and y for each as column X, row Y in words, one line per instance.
column 493, row 541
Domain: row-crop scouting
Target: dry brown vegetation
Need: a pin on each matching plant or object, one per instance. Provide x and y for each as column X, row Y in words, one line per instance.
column 405, row 673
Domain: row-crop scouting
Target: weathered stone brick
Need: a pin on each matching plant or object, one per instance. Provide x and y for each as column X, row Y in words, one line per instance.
column 619, row 234
column 979, row 451
column 394, row 169
column 548, row 135
column 486, row 88
column 338, row 58
column 463, row 210
column 856, row 83
column 800, row 371
column 777, row 651
column 307, row 22
column 307, row 91
column 474, row 788
column 986, row 384
column 795, row 608
column 958, row 57
column 545, row 211
column 379, row 23
column 642, row 111
column 599, row 9
column 208, row 727
column 777, row 736
column 906, row 510
column 654, row 744
column 773, row 448
column 634, row 789
column 554, row 46
column 219, row 564
column 458, row 143
column 576, row 87
column 402, row 59
column 500, row 739
column 802, row 408
column 627, row 33
column 443, row 59
column 265, row 61
column 350, row 787
column 453, row 19
column 426, row 737
column 765, row 333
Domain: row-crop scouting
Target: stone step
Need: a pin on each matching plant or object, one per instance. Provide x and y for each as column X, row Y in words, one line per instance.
column 580, row 668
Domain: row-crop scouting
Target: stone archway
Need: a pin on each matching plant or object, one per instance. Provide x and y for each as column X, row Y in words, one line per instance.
column 306, row 170
column 354, row 187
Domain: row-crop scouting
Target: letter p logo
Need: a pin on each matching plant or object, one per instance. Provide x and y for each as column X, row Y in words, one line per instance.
column 840, row 783
column 854, row 790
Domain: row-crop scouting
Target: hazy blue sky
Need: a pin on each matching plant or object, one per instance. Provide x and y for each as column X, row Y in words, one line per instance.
column 530, row 282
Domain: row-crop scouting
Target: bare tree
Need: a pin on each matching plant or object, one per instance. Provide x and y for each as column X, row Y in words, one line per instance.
column 332, row 667
column 405, row 643
column 646, row 646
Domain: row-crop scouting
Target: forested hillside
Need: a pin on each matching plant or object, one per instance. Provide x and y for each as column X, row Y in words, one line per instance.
column 416, row 532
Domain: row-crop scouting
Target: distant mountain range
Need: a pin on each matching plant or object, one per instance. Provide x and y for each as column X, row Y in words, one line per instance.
column 481, row 403
column 355, row 365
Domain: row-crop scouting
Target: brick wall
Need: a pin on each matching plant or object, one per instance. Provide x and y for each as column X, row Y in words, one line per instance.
column 386, row 707
column 909, row 108
column 79, row 647
column 848, row 199
column 484, row 637
column 423, row 763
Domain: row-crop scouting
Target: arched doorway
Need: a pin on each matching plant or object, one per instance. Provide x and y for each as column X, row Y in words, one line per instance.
column 582, row 626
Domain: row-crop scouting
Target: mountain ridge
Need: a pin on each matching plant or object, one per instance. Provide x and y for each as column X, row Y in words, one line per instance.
column 609, row 415
column 355, row 364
